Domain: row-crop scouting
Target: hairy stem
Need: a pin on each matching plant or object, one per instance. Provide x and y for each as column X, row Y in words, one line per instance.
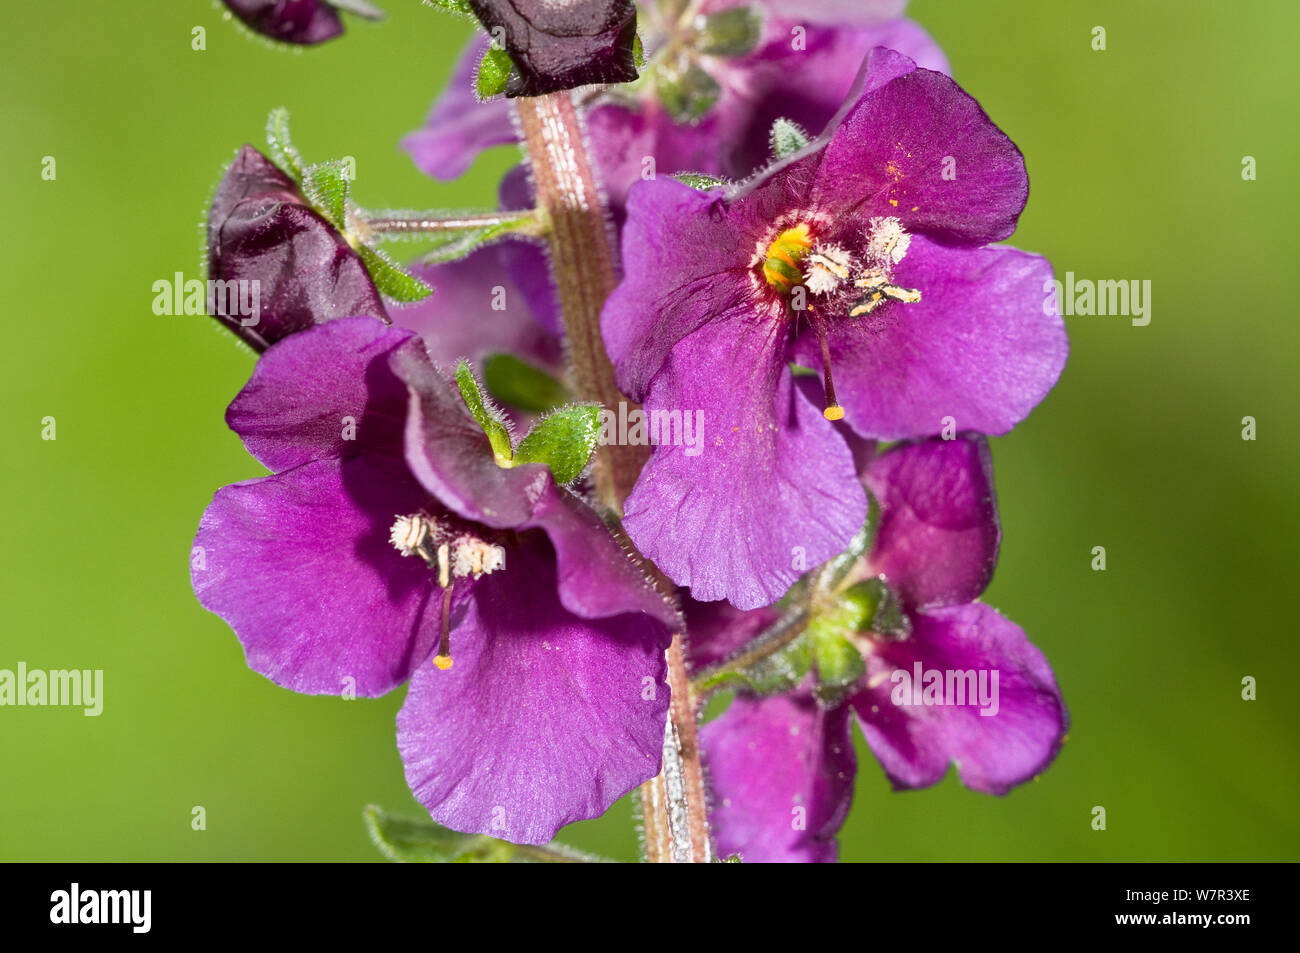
column 586, row 270
column 431, row 224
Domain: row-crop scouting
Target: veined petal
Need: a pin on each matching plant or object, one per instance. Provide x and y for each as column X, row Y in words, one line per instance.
column 921, row 148
column 765, row 489
column 1026, row 718
column 980, row 346
column 325, row 392
column 937, row 543
column 543, row 719
column 300, row 565
column 781, row 771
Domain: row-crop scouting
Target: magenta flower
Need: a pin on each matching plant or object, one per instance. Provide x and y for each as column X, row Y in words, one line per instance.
column 388, row 544
column 858, row 254
column 948, row 681
column 801, row 77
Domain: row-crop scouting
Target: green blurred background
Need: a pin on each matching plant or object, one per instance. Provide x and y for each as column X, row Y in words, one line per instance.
column 1135, row 157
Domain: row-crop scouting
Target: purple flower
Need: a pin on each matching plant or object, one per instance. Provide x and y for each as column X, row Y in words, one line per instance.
column 801, row 77
column 263, row 236
column 556, row 46
column 946, row 680
column 859, row 253
column 303, row 22
column 388, row 543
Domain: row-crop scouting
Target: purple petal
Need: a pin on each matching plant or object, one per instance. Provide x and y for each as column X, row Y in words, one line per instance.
column 300, row 565
column 979, row 347
column 765, row 492
column 459, row 127
column 449, row 453
column 672, row 230
column 920, row 148
column 937, row 543
column 596, row 577
column 526, row 261
column 303, row 22
column 325, row 392
column 994, row 752
column 460, row 321
column 807, row 86
column 717, row 630
column 262, row 234
column 781, row 772
column 543, row 719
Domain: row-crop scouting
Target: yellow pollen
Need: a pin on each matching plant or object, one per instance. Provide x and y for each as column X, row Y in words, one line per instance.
column 442, row 661
column 781, row 263
column 833, row 412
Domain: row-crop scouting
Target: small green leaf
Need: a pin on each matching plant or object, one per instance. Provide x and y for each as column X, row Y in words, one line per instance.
column 406, row 841
column 326, row 186
column 563, row 441
column 732, row 32
column 282, row 150
column 700, row 181
column 638, row 52
column 522, row 385
column 486, row 415
column 390, row 279
column 786, row 138
column 493, row 72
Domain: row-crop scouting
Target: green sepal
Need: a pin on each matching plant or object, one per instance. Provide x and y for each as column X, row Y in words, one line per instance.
column 493, row 71
column 325, row 184
column 732, row 32
column 700, row 181
column 389, row 277
column 638, row 52
column 281, row 146
column 563, row 440
column 486, row 415
column 521, row 385
column 786, row 138
column 407, row 841
column 782, row 671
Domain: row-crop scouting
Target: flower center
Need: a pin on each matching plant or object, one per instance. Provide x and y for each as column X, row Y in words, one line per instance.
column 452, row 554
column 855, row 285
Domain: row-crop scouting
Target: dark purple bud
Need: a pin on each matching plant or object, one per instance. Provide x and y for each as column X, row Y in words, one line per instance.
column 276, row 267
column 561, row 45
column 304, row 22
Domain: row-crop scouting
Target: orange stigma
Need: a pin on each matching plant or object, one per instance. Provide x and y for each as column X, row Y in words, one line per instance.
column 833, row 409
column 443, row 658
